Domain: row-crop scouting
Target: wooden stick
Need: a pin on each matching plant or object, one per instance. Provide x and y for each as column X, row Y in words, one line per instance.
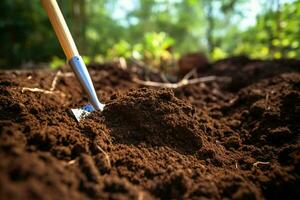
column 260, row 163
column 60, row 27
column 181, row 83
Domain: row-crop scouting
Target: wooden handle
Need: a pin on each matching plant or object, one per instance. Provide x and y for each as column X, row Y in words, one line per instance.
column 60, row 27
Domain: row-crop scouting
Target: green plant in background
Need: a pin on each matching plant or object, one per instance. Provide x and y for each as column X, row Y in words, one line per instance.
column 25, row 34
column 275, row 35
column 154, row 50
column 157, row 49
column 57, row 62
column 87, row 60
column 120, row 49
column 218, row 53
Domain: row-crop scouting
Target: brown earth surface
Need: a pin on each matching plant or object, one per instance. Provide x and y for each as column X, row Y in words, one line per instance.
column 217, row 140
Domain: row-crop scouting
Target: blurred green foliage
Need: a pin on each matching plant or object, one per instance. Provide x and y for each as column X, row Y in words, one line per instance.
column 153, row 31
column 56, row 62
column 276, row 34
column 154, row 50
column 25, row 33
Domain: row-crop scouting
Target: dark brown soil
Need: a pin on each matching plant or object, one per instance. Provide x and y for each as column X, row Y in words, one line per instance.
column 217, row 140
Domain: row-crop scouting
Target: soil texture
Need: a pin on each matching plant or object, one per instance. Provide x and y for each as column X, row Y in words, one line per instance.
column 234, row 139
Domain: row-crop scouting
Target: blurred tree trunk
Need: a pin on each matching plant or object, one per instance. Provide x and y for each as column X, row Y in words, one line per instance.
column 210, row 26
column 79, row 23
column 278, row 27
column 268, row 27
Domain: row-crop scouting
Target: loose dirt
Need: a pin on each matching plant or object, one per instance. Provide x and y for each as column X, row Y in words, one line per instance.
column 237, row 139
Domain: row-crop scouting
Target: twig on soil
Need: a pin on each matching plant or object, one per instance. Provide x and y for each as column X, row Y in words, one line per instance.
column 42, row 91
column 202, row 167
column 190, row 74
column 54, row 82
column 267, row 101
column 71, row 162
column 109, row 141
column 233, row 100
column 122, row 63
column 260, row 163
column 53, row 85
column 236, row 165
column 106, row 156
column 181, row 83
column 58, row 75
column 37, row 90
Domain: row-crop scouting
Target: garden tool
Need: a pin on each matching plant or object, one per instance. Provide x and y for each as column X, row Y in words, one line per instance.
column 74, row 59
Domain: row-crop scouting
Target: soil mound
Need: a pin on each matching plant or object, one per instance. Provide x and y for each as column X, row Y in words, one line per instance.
column 154, row 118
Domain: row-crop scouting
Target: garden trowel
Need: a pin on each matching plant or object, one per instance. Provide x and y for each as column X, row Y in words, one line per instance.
column 75, row 61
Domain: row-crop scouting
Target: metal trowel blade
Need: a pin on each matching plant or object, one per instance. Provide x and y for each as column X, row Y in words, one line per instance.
column 82, row 112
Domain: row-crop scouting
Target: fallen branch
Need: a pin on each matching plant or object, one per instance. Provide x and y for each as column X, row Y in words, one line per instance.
column 181, row 83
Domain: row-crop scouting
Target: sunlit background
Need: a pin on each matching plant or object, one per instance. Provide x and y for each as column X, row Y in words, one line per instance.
column 151, row 30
